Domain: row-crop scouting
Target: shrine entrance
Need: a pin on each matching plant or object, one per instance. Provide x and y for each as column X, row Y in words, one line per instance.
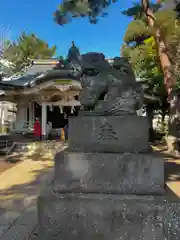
column 57, row 116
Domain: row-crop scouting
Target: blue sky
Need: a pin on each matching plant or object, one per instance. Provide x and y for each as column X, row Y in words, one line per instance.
column 37, row 16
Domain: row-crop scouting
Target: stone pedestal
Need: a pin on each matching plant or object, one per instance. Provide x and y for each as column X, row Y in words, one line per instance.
column 113, row 134
column 100, row 216
column 107, row 186
column 127, row 173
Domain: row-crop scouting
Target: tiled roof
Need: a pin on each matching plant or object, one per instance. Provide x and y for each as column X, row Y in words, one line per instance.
column 39, row 68
column 40, row 71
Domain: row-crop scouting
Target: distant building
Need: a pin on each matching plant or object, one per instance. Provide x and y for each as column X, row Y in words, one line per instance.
column 44, row 92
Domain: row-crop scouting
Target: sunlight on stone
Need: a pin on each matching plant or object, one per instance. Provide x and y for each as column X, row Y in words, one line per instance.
column 78, row 167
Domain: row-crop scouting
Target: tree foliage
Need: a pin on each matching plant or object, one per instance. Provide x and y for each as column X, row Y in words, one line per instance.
column 93, row 9
column 139, row 37
column 26, row 48
column 137, row 12
column 137, row 31
column 140, row 47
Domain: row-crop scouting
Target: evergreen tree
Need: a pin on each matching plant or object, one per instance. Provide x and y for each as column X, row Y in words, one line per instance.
column 26, row 48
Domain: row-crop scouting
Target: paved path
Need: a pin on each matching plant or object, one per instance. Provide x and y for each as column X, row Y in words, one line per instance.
column 19, row 188
column 172, row 171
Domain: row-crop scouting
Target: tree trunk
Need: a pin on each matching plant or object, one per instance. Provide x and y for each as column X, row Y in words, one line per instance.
column 166, row 66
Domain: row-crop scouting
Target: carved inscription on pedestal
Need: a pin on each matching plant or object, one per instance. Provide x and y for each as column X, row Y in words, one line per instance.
column 106, row 132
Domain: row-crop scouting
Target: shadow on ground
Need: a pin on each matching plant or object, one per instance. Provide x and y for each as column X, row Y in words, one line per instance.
column 171, row 166
column 18, row 206
column 171, row 172
column 22, row 196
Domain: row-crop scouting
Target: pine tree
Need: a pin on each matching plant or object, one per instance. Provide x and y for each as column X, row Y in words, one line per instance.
column 27, row 48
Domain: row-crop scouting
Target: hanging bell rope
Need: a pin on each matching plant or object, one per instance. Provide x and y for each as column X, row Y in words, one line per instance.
column 61, row 109
column 51, row 108
column 72, row 109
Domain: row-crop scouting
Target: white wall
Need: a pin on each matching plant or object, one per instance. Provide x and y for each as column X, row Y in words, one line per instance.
column 21, row 117
column 7, row 116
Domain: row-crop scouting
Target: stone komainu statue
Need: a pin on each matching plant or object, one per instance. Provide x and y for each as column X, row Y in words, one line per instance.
column 108, row 89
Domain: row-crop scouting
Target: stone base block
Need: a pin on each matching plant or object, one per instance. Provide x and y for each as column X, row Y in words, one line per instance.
column 100, row 217
column 109, row 173
column 108, row 134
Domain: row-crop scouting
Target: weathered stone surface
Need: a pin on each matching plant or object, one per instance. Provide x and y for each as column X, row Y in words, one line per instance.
column 172, row 220
column 101, row 217
column 109, row 173
column 108, row 134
